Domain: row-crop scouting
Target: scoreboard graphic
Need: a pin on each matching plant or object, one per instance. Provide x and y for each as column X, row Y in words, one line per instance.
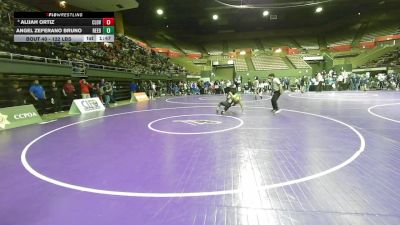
column 64, row 26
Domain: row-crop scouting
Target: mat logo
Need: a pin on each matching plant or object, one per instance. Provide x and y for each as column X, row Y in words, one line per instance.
column 3, row 121
column 198, row 122
column 25, row 115
column 90, row 105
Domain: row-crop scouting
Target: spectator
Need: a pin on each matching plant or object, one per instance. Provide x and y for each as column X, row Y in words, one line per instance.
column 364, row 83
column 85, row 88
column 113, row 92
column 381, row 79
column 69, row 91
column 94, row 90
column 302, row 84
column 286, row 83
column 15, row 95
column 319, row 78
column 39, row 96
column 256, row 88
column 340, row 82
column 106, row 93
column 55, row 97
column 152, row 89
column 133, row 87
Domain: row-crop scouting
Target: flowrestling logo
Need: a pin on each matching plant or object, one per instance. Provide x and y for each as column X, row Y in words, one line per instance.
column 3, row 121
column 198, row 122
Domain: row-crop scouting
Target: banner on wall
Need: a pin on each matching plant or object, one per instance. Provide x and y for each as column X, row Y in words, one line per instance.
column 86, row 105
column 387, row 38
column 194, row 55
column 293, row 51
column 18, row 116
column 368, row 44
column 173, row 54
column 340, row 48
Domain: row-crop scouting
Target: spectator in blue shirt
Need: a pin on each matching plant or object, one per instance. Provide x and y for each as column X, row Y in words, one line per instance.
column 133, row 86
column 39, row 95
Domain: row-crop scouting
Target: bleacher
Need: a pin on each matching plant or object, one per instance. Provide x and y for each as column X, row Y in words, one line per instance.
column 241, row 65
column 348, row 54
column 188, row 48
column 308, row 43
column 122, row 53
column 298, row 62
column 162, row 44
column 124, row 56
column 270, row 43
column 200, row 61
column 214, row 48
column 391, row 58
column 222, row 59
column 264, row 62
column 340, row 39
column 241, row 44
column 218, row 57
column 380, row 31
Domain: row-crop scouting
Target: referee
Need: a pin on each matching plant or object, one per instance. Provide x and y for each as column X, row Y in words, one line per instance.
column 276, row 88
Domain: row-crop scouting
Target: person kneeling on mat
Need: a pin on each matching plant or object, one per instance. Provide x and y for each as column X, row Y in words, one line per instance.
column 232, row 99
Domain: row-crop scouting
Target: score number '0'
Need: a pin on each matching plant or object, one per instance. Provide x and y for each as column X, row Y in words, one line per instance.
column 108, row 21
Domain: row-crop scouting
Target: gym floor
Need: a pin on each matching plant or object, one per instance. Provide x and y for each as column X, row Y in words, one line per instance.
column 326, row 158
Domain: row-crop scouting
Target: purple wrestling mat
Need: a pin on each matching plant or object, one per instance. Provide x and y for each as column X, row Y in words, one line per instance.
column 327, row 158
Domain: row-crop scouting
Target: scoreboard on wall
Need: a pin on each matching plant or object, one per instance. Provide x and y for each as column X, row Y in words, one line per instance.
column 64, row 27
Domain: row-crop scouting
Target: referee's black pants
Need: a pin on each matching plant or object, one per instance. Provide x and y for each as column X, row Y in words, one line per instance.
column 274, row 100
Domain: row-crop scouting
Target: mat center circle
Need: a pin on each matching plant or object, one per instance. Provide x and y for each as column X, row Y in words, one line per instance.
column 195, row 124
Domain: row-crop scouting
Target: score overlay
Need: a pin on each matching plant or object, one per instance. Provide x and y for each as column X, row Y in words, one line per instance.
column 64, row 27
